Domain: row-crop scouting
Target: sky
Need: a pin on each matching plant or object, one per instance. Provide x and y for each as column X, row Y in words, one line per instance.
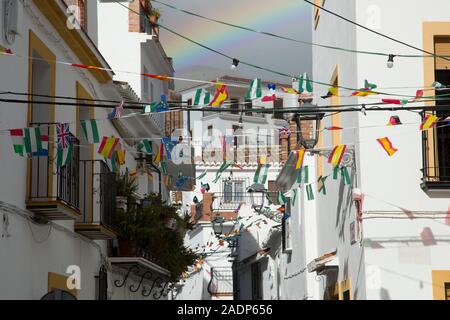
column 285, row 17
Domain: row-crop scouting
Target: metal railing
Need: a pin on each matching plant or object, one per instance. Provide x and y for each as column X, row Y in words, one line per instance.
column 43, row 168
column 436, row 158
column 231, row 201
column 98, row 193
column 221, row 283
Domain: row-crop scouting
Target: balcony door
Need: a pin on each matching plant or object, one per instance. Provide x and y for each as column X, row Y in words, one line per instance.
column 41, row 79
column 86, row 164
column 442, row 141
column 233, row 191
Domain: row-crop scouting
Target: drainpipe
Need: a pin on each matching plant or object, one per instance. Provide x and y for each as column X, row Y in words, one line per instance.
column 160, row 177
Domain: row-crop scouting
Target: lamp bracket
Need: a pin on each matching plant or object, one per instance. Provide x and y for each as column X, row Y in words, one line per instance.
column 348, row 158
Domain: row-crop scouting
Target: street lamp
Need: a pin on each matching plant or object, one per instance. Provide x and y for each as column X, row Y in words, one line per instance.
column 310, row 141
column 217, row 225
column 257, row 194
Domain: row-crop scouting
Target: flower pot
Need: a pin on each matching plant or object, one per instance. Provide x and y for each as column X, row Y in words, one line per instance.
column 153, row 19
column 121, row 203
column 127, row 248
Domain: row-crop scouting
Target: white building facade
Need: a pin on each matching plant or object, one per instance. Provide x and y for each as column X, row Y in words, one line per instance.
column 57, row 222
column 385, row 235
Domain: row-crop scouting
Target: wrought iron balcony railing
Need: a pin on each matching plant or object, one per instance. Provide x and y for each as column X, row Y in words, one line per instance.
column 221, row 283
column 98, row 194
column 436, row 158
column 231, row 201
column 42, row 170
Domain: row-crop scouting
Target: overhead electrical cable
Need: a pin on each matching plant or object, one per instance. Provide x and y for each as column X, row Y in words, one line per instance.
column 251, row 64
column 287, row 38
column 376, row 32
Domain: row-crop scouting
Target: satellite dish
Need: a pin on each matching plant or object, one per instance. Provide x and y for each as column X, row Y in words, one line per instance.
column 58, row 294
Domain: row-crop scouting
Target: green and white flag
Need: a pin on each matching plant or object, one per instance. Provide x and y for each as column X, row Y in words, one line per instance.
column 309, row 192
column 164, row 168
column 293, row 196
column 90, row 131
column 304, row 84
column 346, row 176
column 201, row 176
column 261, row 174
column 281, row 198
column 64, row 156
column 202, row 98
column 147, row 145
column 33, row 140
column 303, row 175
column 113, row 162
column 255, row 90
column 222, row 169
column 151, row 108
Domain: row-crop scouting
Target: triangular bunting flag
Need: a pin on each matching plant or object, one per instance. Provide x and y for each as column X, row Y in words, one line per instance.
column 255, row 90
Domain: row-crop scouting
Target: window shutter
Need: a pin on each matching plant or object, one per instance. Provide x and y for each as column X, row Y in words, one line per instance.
column 442, row 48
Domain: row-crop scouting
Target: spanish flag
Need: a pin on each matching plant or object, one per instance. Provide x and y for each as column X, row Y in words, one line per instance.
column 332, row 91
column 160, row 154
column 121, row 157
column 335, row 157
column 220, row 97
column 289, row 90
column 429, row 122
column 363, row 93
column 108, row 146
column 387, row 146
column 300, row 158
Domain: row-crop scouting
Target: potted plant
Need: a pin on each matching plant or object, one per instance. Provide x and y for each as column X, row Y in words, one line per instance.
column 126, row 187
column 154, row 15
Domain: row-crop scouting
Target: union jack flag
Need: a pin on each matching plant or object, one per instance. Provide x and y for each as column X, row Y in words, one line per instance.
column 63, row 134
column 118, row 112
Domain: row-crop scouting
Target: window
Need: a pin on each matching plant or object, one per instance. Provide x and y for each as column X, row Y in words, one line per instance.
column 278, row 104
column 286, row 228
column 234, row 105
column 346, row 295
column 210, row 131
column 233, row 190
column 256, row 282
column 436, row 141
column 447, row 290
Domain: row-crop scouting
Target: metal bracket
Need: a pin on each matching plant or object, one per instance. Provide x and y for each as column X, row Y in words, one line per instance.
column 348, row 158
column 116, row 283
column 140, row 282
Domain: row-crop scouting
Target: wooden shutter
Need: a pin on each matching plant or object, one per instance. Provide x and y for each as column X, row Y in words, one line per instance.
column 442, row 48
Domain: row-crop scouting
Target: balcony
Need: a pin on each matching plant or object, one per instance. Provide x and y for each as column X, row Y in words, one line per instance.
column 230, row 201
column 221, row 283
column 98, row 199
column 53, row 192
column 436, row 158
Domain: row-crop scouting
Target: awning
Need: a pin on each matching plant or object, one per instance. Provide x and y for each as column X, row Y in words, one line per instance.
column 326, row 259
column 261, row 254
column 288, row 174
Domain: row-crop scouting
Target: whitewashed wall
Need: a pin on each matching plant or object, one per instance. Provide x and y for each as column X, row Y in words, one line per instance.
column 396, row 179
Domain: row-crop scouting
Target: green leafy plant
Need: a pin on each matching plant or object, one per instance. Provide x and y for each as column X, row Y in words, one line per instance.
column 126, row 186
column 155, row 13
column 158, row 230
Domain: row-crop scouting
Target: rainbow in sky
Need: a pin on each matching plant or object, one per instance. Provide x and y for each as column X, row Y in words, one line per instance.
column 271, row 16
